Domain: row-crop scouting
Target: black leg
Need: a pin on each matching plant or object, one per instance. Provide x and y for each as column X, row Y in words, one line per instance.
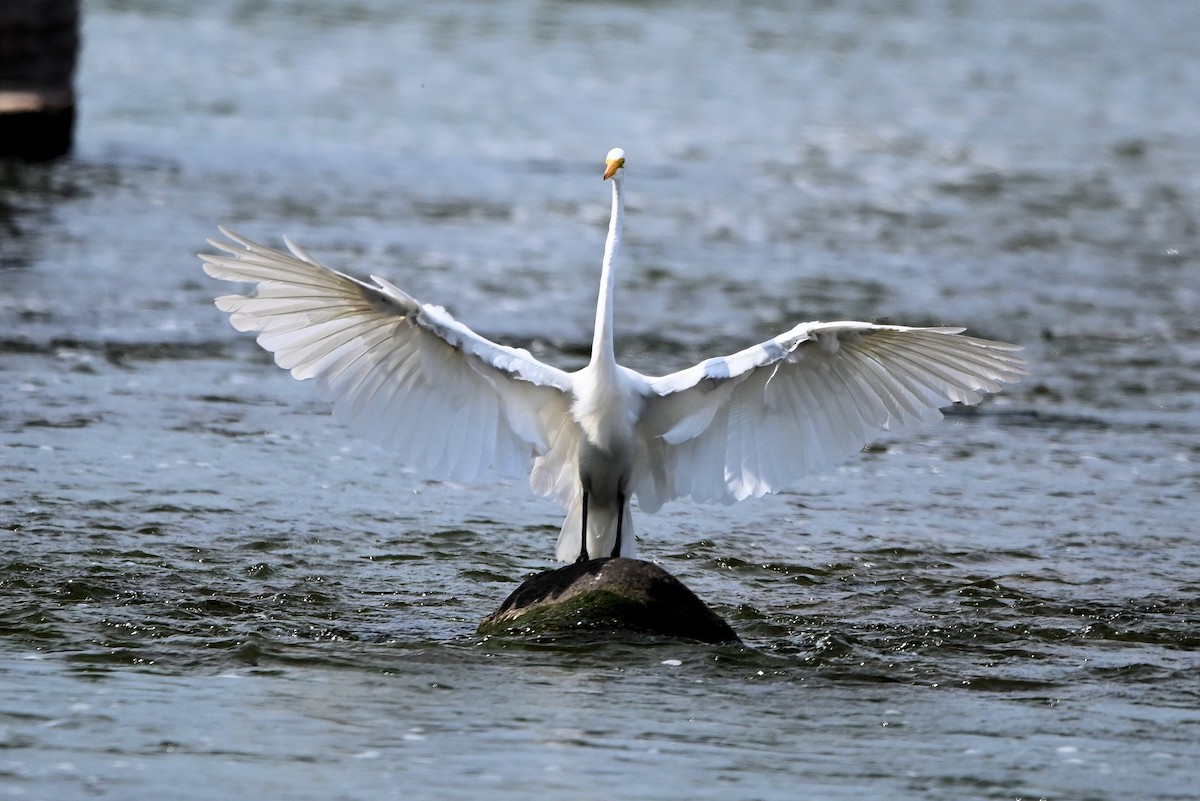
column 583, row 553
column 616, row 551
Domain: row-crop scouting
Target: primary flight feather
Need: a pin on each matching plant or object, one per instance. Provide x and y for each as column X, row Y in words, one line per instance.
column 409, row 376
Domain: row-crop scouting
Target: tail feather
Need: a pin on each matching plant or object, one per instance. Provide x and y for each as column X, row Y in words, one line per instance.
column 602, row 531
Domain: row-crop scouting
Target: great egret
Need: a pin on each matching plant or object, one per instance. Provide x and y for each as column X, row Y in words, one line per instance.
column 454, row 404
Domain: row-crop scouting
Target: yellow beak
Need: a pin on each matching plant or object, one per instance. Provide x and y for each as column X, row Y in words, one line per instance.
column 612, row 167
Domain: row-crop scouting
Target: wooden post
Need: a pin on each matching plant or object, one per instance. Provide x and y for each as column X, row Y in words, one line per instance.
column 39, row 43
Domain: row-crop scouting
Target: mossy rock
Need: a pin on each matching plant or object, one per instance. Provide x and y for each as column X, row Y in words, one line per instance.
column 607, row 595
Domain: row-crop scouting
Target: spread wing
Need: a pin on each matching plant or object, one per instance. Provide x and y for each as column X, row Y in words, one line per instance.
column 404, row 374
column 754, row 422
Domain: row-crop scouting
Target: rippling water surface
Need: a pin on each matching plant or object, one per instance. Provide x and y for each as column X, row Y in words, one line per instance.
column 208, row 590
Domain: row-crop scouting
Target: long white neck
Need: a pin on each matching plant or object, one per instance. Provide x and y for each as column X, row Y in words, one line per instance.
column 602, row 340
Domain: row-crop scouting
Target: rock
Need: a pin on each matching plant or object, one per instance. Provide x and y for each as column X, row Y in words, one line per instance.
column 618, row 595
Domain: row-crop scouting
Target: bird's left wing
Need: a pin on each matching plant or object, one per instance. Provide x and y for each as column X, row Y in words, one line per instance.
column 754, row 422
column 404, row 374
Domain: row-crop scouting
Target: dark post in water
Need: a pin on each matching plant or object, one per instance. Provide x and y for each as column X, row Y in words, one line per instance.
column 39, row 42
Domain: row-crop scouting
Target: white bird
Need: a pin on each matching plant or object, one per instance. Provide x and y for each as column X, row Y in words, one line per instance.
column 454, row 404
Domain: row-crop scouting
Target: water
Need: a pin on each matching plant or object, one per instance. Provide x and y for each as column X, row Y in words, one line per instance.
column 208, row 590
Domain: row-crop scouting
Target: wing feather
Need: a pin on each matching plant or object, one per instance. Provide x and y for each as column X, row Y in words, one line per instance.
column 405, row 374
column 758, row 420
column 857, row 407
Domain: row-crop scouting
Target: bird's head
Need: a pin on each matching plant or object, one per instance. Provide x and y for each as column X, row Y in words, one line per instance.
column 614, row 161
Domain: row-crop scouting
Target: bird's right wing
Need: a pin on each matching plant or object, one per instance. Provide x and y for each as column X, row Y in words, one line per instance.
column 405, row 375
column 756, row 421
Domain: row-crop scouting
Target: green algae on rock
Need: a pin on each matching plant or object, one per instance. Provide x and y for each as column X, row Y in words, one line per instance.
column 617, row 594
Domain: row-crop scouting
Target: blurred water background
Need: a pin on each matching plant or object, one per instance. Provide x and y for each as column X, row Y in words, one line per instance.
column 208, row 590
